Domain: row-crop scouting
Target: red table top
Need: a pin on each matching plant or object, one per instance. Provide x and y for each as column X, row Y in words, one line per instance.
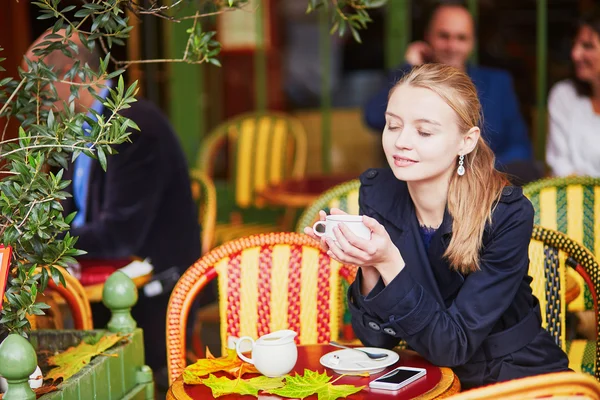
column 308, row 358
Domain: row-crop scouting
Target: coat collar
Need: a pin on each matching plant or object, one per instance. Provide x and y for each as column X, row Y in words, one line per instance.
column 394, row 203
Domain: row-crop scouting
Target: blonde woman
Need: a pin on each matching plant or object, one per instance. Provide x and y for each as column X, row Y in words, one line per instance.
column 446, row 266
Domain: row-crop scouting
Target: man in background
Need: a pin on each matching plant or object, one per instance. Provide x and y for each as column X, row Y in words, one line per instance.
column 141, row 206
column 449, row 39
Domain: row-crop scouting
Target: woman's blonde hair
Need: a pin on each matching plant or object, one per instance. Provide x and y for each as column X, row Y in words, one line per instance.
column 473, row 196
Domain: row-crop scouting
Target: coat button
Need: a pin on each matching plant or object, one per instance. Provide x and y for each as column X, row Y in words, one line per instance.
column 372, row 173
column 374, row 326
column 390, row 331
column 507, row 191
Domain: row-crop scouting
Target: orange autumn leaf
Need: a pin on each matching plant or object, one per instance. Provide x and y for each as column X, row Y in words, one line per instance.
column 229, row 363
column 72, row 360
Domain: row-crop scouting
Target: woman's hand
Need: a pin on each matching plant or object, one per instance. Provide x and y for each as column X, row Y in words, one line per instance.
column 378, row 252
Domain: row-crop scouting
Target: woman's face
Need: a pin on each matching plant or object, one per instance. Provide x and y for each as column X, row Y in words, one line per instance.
column 421, row 138
column 586, row 54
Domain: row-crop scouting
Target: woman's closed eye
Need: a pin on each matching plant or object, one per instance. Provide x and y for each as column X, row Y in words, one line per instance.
column 393, row 127
column 424, row 134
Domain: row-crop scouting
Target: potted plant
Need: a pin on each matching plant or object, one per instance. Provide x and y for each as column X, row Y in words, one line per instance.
column 49, row 138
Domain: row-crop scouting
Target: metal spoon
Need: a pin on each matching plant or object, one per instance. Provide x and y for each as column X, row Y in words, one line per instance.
column 372, row 356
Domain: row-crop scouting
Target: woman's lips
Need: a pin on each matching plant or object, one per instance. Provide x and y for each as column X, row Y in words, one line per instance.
column 403, row 161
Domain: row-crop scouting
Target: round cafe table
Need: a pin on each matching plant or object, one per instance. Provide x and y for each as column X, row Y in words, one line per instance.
column 438, row 382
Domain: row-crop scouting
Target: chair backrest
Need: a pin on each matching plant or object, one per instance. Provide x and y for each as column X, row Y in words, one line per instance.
column 559, row 385
column 550, row 253
column 343, row 196
column 263, row 149
column 266, row 283
column 205, row 196
column 74, row 295
column 569, row 205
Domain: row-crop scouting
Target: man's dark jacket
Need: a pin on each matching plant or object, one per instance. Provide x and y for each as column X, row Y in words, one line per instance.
column 142, row 205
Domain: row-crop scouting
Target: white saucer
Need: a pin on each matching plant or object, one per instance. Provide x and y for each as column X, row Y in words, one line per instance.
column 351, row 361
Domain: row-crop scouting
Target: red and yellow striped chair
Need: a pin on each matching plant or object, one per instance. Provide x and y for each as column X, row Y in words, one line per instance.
column 551, row 254
column 266, row 282
column 345, row 197
column 262, row 149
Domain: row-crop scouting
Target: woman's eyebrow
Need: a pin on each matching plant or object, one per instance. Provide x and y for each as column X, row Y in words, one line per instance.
column 428, row 121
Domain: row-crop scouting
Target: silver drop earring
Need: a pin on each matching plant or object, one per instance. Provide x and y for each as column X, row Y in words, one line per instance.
column 461, row 168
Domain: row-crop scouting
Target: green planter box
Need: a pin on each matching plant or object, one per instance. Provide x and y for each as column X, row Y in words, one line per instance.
column 119, row 374
column 110, row 377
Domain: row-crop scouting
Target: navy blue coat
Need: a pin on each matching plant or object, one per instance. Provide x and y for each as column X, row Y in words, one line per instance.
column 503, row 125
column 484, row 325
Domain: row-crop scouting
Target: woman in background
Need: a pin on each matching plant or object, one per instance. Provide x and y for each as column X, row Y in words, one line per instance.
column 574, row 106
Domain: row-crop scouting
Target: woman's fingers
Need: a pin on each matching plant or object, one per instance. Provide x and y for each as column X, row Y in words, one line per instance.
column 346, row 245
column 336, row 252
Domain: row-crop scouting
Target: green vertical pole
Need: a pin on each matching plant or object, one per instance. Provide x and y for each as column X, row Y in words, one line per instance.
column 397, row 32
column 325, row 59
column 473, row 6
column 260, row 59
column 542, row 60
column 186, row 109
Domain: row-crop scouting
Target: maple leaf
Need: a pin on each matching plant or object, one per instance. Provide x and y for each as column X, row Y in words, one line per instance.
column 72, row 360
column 301, row 386
column 223, row 385
column 229, row 363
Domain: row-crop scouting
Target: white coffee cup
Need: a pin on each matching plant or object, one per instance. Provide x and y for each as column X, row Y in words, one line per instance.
column 353, row 222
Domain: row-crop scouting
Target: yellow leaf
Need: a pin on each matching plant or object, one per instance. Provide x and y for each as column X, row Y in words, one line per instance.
column 223, row 385
column 230, row 364
column 72, row 360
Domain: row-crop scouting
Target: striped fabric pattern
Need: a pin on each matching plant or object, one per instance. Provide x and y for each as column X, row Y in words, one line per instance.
column 571, row 206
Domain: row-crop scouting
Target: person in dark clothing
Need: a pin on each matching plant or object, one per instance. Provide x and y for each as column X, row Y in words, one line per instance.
column 446, row 268
column 141, row 206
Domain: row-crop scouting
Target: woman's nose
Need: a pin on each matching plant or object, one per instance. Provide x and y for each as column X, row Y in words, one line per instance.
column 403, row 140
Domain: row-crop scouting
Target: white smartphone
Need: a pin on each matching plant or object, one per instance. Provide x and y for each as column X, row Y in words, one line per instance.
column 397, row 378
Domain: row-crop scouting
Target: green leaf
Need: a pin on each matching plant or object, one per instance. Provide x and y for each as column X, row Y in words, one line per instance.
column 223, row 385
column 301, row 386
column 101, row 158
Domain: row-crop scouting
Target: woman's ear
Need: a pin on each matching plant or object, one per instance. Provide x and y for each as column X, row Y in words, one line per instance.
column 469, row 140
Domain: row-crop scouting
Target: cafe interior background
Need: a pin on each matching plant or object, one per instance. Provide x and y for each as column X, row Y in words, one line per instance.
column 277, row 57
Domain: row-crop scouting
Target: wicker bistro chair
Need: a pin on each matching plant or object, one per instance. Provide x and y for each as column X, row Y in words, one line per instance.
column 266, row 282
column 571, row 206
column 74, row 296
column 345, row 197
column 551, row 253
column 205, row 196
column 263, row 149
column 560, row 385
